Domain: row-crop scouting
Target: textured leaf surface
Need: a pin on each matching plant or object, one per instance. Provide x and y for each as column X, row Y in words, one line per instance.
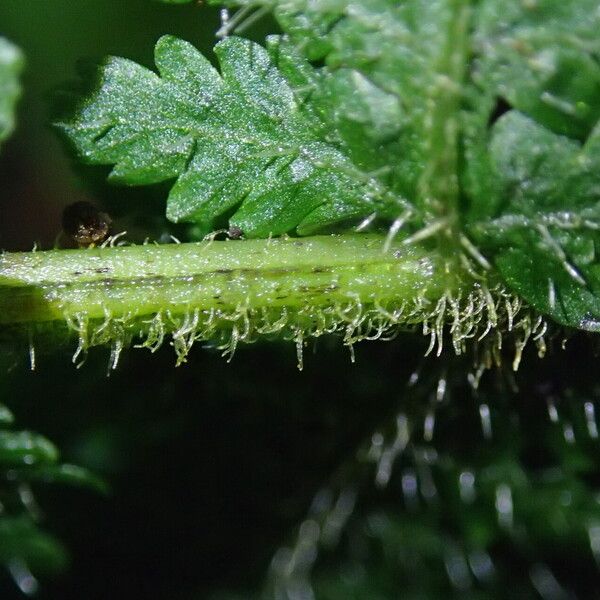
column 413, row 56
column 11, row 64
column 239, row 136
column 532, row 178
column 539, row 58
column 544, row 236
column 542, row 58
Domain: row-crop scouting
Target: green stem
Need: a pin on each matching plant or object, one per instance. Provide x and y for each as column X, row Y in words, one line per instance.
column 144, row 280
column 225, row 290
column 439, row 185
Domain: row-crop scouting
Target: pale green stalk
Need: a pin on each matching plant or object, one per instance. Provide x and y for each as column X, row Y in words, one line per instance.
column 220, row 275
column 222, row 291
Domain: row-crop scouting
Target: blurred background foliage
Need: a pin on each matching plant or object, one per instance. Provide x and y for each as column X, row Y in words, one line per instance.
column 215, row 468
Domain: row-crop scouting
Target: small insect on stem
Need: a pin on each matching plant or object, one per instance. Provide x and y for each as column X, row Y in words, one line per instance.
column 85, row 224
column 234, row 233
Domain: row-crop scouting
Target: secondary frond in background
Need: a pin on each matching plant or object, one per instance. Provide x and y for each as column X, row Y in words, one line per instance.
column 512, row 505
column 11, row 65
column 29, row 459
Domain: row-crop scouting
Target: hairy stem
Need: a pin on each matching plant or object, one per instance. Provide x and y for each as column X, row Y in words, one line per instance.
column 220, row 275
column 223, row 291
column 439, row 187
column 227, row 292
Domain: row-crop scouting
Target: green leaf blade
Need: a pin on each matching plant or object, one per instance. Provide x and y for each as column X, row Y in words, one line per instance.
column 394, row 74
column 544, row 235
column 179, row 63
column 66, row 474
column 542, row 59
column 238, row 137
column 22, row 540
column 123, row 124
column 24, row 448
